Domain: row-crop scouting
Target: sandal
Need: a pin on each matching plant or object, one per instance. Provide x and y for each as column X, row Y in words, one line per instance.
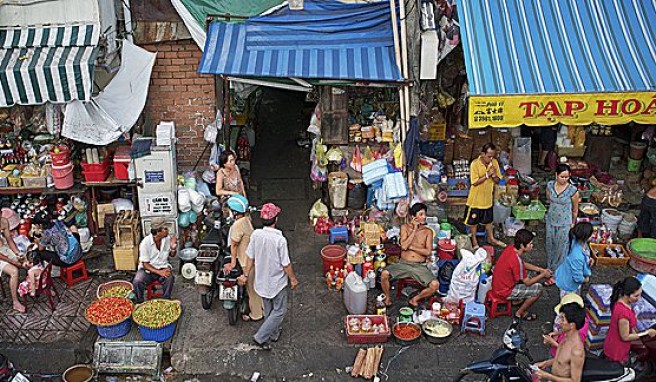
column 245, row 317
column 529, row 317
column 550, row 282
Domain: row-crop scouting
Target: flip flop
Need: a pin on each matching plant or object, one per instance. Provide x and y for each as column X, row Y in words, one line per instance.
column 550, row 282
column 529, row 317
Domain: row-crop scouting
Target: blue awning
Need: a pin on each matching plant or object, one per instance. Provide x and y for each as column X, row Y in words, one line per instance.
column 559, row 46
column 325, row 40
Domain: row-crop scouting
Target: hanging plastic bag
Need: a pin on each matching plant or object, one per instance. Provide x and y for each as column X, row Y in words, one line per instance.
column 402, row 208
column 334, row 154
column 398, row 156
column 425, row 192
column 356, row 162
column 367, row 156
column 318, row 173
column 184, row 199
column 212, row 130
column 320, row 153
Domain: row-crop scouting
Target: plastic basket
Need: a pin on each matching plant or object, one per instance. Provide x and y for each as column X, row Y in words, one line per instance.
column 117, row 330
column 367, row 338
column 158, row 335
column 111, row 284
column 535, row 211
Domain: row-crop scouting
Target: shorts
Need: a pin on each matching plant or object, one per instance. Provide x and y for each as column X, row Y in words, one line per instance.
column 476, row 216
column 3, row 264
column 522, row 291
column 409, row 270
column 548, row 138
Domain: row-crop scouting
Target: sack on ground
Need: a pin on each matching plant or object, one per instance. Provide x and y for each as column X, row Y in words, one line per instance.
column 465, row 277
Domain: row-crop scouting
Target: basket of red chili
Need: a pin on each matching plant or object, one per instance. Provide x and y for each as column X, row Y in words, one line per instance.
column 406, row 333
column 157, row 319
column 111, row 316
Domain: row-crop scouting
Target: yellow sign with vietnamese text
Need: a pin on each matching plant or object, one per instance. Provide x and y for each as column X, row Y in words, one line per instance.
column 569, row 109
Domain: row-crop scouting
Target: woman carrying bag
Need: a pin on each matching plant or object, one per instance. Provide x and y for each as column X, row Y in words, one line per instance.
column 575, row 269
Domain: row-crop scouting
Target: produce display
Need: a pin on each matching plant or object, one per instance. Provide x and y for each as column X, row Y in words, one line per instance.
column 358, row 325
column 109, row 311
column 156, row 314
column 116, row 291
column 406, row 331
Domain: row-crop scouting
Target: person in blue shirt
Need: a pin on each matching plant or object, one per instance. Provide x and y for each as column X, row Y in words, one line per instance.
column 575, row 269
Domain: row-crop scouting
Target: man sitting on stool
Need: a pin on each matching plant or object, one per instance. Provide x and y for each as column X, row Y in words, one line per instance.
column 416, row 247
column 154, row 252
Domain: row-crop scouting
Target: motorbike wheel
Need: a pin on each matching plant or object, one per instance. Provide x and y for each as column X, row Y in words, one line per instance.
column 469, row 376
column 206, row 299
column 233, row 315
column 244, row 307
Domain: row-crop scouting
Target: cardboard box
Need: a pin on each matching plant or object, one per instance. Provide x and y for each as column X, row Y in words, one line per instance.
column 462, row 148
column 102, row 210
column 126, row 259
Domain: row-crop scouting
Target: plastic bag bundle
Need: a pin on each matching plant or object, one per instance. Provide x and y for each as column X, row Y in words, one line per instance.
column 184, row 199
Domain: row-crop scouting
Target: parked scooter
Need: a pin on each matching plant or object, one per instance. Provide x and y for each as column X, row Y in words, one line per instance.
column 504, row 365
column 206, row 271
column 233, row 295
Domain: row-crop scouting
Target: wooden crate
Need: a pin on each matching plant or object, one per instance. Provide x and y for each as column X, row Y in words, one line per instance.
column 102, row 210
column 598, row 253
column 127, row 230
column 126, row 259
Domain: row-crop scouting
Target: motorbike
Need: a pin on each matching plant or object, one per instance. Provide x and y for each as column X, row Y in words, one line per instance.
column 233, row 295
column 207, row 268
column 505, row 365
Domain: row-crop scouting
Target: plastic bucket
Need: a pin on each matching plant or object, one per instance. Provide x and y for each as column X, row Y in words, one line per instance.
column 63, row 176
column 62, row 158
column 333, row 255
column 634, row 165
column 637, row 150
column 446, row 249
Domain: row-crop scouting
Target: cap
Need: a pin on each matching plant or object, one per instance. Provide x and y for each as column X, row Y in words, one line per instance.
column 568, row 299
column 269, row 211
column 157, row 223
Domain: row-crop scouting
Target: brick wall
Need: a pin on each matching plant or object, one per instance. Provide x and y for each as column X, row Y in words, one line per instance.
column 177, row 93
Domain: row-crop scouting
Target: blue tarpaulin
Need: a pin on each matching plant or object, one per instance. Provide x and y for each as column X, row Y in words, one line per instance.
column 558, row 46
column 325, row 40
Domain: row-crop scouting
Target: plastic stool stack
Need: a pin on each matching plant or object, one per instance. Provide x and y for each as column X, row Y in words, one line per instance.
column 474, row 318
column 152, row 290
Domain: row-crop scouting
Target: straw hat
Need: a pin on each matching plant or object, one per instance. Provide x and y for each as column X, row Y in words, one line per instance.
column 568, row 299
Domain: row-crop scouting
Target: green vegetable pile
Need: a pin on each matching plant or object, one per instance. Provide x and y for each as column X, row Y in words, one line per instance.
column 117, row 291
column 155, row 314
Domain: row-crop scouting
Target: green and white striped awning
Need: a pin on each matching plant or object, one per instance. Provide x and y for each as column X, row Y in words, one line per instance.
column 47, row 64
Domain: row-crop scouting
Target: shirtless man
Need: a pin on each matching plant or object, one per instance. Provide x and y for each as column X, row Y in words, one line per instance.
column 416, row 246
column 570, row 356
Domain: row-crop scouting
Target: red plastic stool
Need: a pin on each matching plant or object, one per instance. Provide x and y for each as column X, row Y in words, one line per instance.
column 402, row 283
column 492, row 303
column 153, row 292
column 67, row 273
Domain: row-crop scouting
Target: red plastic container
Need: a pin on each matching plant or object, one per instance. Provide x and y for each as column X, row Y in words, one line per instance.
column 446, row 249
column 97, row 167
column 122, row 162
column 333, row 255
column 367, row 338
column 62, row 158
column 63, row 176
column 96, row 176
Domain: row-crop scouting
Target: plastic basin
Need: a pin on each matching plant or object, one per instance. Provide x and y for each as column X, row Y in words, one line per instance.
column 333, row 255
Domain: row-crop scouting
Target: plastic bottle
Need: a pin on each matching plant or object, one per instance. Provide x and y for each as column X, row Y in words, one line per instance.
column 381, row 308
column 355, row 294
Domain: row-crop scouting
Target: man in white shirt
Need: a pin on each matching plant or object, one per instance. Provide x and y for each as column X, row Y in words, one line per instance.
column 154, row 252
column 269, row 254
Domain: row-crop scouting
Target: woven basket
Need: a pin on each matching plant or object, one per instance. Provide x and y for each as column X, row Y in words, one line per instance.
column 141, row 306
column 109, row 285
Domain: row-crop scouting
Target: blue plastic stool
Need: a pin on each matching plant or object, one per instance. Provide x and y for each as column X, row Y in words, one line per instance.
column 338, row 233
column 474, row 318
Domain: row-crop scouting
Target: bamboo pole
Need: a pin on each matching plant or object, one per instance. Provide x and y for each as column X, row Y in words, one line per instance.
column 399, row 63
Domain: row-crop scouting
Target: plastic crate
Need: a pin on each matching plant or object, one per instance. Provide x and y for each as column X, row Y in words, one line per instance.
column 524, row 213
column 122, row 162
column 433, row 149
column 34, row 181
column 97, row 167
column 598, row 253
column 452, row 191
column 367, row 338
column 96, row 176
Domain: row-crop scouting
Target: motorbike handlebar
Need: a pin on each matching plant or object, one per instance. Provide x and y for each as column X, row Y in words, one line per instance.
column 527, row 354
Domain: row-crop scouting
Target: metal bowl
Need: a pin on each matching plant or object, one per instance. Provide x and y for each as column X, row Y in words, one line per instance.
column 406, row 341
column 435, row 338
column 188, row 254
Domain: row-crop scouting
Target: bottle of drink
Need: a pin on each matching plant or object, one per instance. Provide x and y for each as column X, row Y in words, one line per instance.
column 381, row 308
